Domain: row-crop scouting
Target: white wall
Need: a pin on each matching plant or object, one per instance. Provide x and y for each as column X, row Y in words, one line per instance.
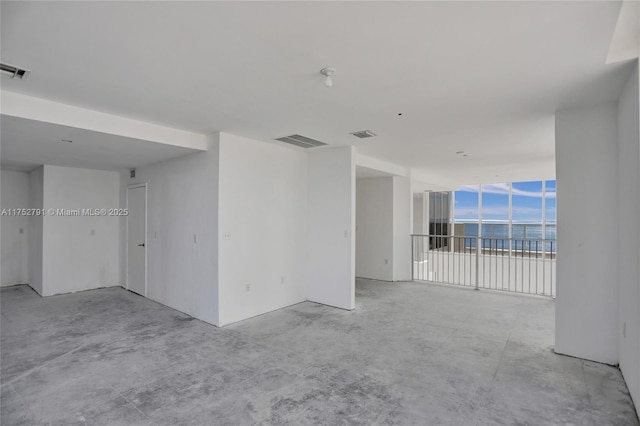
column 35, row 231
column 263, row 227
column 629, row 234
column 418, row 211
column 374, row 228
column 182, row 201
column 421, row 213
column 401, row 229
column 331, row 221
column 14, row 242
column 586, row 175
column 383, row 242
column 80, row 252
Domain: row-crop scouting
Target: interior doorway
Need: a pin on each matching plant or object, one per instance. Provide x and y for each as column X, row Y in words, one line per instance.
column 137, row 239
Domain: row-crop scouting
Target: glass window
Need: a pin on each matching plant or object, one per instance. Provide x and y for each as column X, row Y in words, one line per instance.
column 526, row 212
column 466, row 210
column 495, row 210
column 527, row 209
column 439, row 213
column 439, row 210
column 550, row 209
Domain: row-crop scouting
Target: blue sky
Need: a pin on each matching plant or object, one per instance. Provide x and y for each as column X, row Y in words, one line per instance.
column 527, row 202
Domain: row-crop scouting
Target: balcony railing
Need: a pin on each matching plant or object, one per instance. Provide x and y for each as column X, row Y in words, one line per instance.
column 518, row 265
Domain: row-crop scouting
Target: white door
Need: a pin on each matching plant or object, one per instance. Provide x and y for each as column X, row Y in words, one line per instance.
column 136, row 239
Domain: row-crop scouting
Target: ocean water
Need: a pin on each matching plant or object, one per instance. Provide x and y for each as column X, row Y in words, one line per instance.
column 520, row 233
column 500, row 230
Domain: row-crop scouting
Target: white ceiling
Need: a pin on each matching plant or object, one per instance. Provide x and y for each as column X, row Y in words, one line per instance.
column 27, row 144
column 482, row 77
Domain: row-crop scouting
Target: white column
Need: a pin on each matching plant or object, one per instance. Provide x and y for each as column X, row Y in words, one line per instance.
column 401, row 229
column 587, row 273
column 332, row 227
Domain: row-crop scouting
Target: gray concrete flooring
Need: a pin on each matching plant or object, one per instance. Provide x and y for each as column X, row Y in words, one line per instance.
column 410, row 354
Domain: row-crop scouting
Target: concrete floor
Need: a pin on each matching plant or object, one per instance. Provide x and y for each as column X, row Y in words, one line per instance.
column 410, row 354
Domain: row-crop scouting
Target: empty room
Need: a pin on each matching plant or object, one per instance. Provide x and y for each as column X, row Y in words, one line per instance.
column 320, row 213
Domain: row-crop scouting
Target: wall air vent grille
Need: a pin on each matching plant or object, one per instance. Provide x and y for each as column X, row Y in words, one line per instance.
column 364, row 134
column 301, row 141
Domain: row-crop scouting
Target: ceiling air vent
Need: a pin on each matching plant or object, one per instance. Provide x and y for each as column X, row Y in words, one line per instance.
column 14, row 72
column 364, row 134
column 301, row 141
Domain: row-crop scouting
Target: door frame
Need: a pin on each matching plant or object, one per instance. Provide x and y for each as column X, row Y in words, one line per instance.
column 146, row 206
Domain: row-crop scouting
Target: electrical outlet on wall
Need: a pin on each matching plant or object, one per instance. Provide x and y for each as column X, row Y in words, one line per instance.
column 247, row 287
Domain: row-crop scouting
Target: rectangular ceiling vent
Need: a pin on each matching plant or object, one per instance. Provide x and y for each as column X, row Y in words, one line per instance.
column 364, row 134
column 301, row 141
column 14, row 72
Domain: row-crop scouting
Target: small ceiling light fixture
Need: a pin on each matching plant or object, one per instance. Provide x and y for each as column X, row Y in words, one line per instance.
column 14, row 72
column 328, row 72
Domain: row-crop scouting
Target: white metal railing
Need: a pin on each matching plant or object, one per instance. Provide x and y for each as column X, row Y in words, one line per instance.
column 518, row 265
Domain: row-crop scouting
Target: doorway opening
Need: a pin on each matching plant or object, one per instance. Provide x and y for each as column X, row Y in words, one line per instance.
column 137, row 239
